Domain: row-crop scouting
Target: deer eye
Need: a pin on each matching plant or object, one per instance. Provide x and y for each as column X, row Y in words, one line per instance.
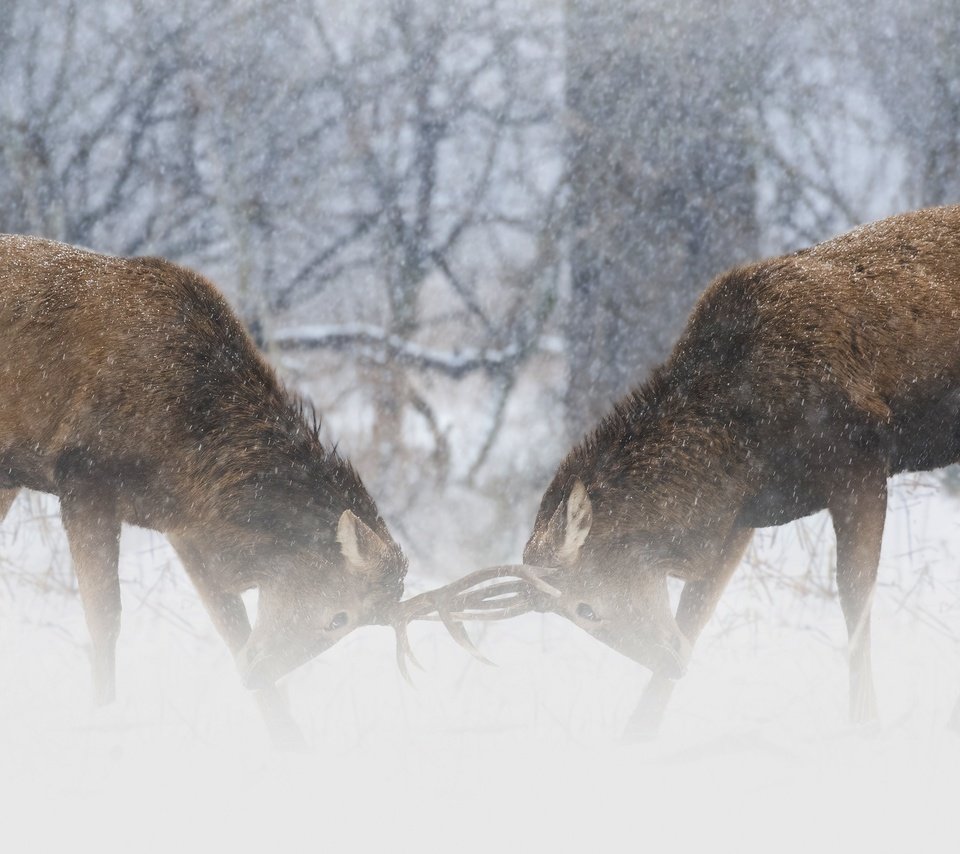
column 338, row 621
column 585, row 612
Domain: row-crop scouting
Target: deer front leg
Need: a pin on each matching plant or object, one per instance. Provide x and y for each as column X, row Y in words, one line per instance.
column 858, row 518
column 229, row 617
column 698, row 600
column 93, row 531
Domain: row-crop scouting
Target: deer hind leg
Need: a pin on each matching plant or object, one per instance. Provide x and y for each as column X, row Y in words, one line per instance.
column 229, row 617
column 7, row 497
column 858, row 519
column 93, row 530
column 697, row 603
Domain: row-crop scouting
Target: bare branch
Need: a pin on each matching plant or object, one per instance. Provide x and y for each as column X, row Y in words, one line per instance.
column 379, row 346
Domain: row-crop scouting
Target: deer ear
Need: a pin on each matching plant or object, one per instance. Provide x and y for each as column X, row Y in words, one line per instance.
column 362, row 549
column 571, row 522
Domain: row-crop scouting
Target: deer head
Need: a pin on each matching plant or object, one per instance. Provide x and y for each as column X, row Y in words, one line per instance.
column 608, row 587
column 314, row 596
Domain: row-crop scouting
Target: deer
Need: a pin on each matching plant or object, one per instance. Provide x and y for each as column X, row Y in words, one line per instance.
column 131, row 391
column 800, row 383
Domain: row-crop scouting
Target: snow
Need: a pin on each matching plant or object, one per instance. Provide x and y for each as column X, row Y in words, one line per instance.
column 755, row 754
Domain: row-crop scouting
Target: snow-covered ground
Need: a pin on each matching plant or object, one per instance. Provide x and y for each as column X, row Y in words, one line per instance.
column 755, row 754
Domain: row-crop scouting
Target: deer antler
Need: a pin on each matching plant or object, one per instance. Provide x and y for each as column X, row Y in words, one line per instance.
column 519, row 588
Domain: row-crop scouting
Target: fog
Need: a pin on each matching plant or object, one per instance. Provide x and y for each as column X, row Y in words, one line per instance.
column 463, row 231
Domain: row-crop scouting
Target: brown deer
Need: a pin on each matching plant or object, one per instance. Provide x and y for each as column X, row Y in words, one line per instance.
column 130, row 390
column 800, row 383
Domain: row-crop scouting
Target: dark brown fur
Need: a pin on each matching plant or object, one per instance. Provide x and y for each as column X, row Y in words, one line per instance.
column 129, row 389
column 800, row 383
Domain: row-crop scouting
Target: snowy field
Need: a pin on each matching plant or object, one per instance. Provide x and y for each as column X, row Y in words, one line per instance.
column 755, row 754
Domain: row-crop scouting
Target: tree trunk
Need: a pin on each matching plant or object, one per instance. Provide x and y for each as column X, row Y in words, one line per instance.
column 662, row 183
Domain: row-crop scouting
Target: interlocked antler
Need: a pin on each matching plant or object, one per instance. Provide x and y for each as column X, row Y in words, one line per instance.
column 520, row 589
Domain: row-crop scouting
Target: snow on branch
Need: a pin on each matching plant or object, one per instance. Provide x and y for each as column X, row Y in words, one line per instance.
column 378, row 345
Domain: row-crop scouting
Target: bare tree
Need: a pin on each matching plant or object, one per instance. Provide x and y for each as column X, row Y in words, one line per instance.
column 861, row 116
column 95, row 140
column 910, row 51
column 441, row 186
